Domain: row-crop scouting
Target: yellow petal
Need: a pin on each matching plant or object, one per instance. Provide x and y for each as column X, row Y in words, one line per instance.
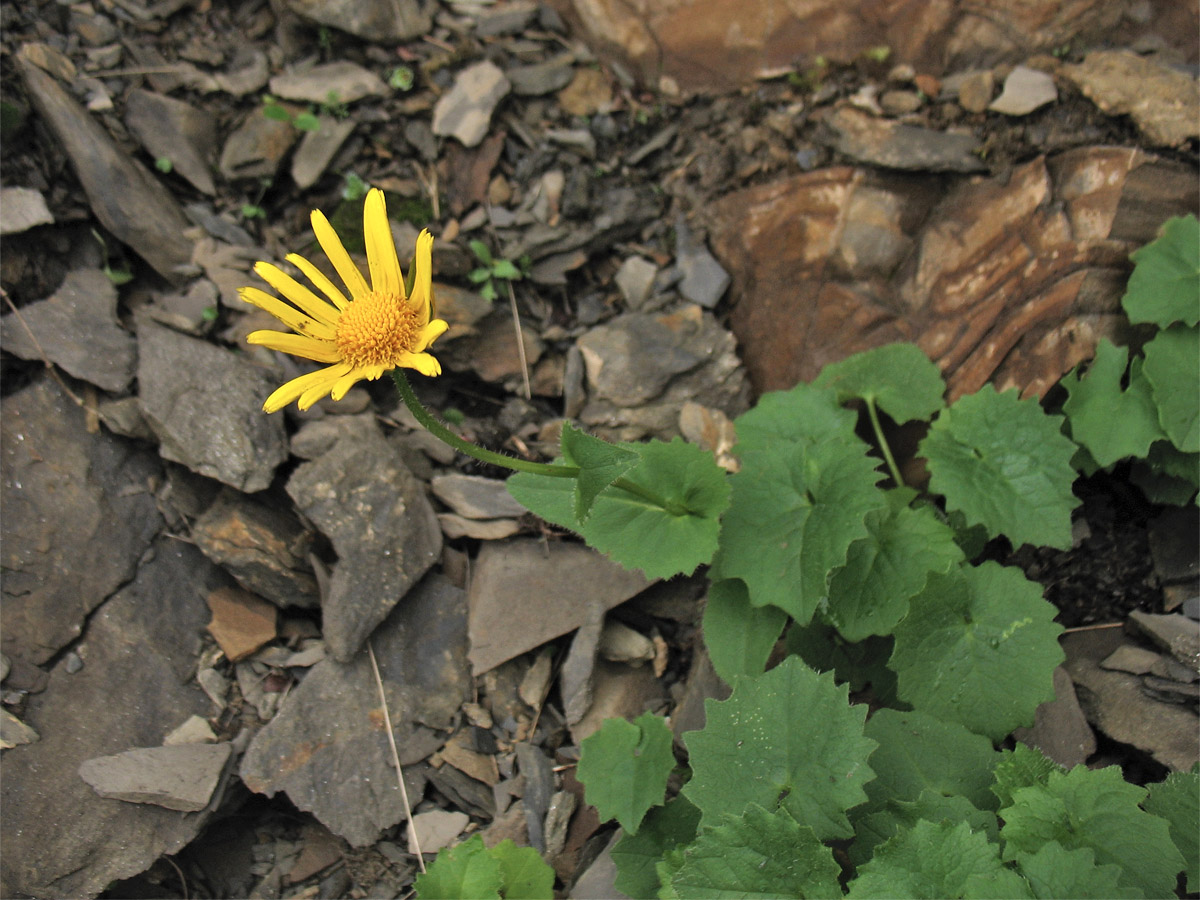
column 296, row 345
column 430, row 333
column 317, row 277
column 421, row 301
column 293, row 290
column 381, row 248
column 422, row 362
column 346, row 382
column 332, row 245
column 288, row 315
column 322, row 378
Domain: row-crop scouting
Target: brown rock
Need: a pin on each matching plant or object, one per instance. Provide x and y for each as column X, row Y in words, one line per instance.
column 1010, row 280
column 1060, row 729
column 241, row 622
column 720, row 44
column 975, row 91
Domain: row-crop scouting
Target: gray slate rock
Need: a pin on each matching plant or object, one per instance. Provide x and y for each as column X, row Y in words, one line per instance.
column 512, row 17
column 382, row 21
column 888, row 143
column 205, row 405
column 465, row 111
column 257, row 148
column 1175, row 633
column 476, row 497
column 1060, row 729
column 127, row 199
column 542, row 78
column 704, row 280
column 78, row 515
column 327, row 748
column 642, row 368
column 634, row 280
column 318, row 148
column 262, row 545
column 1025, row 90
column 174, row 130
column 517, row 592
column 182, row 777
column 77, row 329
column 382, row 526
column 349, row 82
column 21, row 209
column 141, row 644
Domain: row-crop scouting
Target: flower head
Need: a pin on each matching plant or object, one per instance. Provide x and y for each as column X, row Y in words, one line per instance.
column 377, row 329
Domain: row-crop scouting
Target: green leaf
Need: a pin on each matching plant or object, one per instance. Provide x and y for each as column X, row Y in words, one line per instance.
column 804, row 413
column 307, row 122
column 898, row 378
column 600, row 464
column 1023, row 766
column 1097, row 809
column 797, row 507
column 937, row 861
column 978, row 647
column 1172, row 361
column 1056, row 873
column 525, row 875
column 503, row 268
column 479, row 275
column 758, row 854
column 637, row 855
column 1006, row 465
column 276, row 113
column 1110, row 422
column 1178, row 801
column 873, row 828
column 467, row 870
column 739, row 636
column 918, row 753
column 482, row 253
column 787, row 739
column 858, row 665
column 888, row 567
column 488, row 292
column 624, row 768
column 667, row 536
column 1165, row 285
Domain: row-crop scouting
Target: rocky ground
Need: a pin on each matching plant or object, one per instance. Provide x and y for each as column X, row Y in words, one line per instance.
column 699, row 215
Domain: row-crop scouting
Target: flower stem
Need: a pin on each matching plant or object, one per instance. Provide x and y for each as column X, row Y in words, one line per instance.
column 440, row 431
column 883, row 444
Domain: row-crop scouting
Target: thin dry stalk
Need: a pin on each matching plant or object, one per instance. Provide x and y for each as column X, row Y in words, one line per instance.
column 512, row 299
column 414, row 844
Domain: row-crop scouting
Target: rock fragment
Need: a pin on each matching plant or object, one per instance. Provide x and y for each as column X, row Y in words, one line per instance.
column 241, row 622
column 362, row 497
column 76, row 328
column 327, row 749
column 894, row 145
column 339, row 82
column 257, row 147
column 476, row 497
column 387, row 22
column 176, row 131
column 465, row 112
column 182, row 777
column 1164, row 103
column 1025, row 90
column 127, row 199
column 205, row 405
column 517, row 590
column 318, row 148
column 21, row 209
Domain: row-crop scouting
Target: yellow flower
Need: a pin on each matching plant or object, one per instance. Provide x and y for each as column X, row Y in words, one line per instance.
column 376, row 330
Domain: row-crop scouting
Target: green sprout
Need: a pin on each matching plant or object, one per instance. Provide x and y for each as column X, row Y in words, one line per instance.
column 355, row 188
column 492, row 269
column 164, row 164
column 400, row 78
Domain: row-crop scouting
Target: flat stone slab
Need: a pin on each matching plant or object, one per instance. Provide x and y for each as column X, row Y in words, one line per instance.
column 519, row 592
column 181, row 777
column 60, row 839
column 327, row 749
column 76, row 328
column 78, row 516
column 205, row 405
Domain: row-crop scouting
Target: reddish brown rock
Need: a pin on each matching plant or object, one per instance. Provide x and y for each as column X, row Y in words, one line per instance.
column 718, row 44
column 241, row 622
column 1011, row 280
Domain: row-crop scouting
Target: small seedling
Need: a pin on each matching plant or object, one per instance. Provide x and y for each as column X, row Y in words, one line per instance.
column 401, row 78
column 355, row 188
column 492, row 269
column 164, row 164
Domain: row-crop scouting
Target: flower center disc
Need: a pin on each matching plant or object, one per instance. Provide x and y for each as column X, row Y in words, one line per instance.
column 375, row 329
